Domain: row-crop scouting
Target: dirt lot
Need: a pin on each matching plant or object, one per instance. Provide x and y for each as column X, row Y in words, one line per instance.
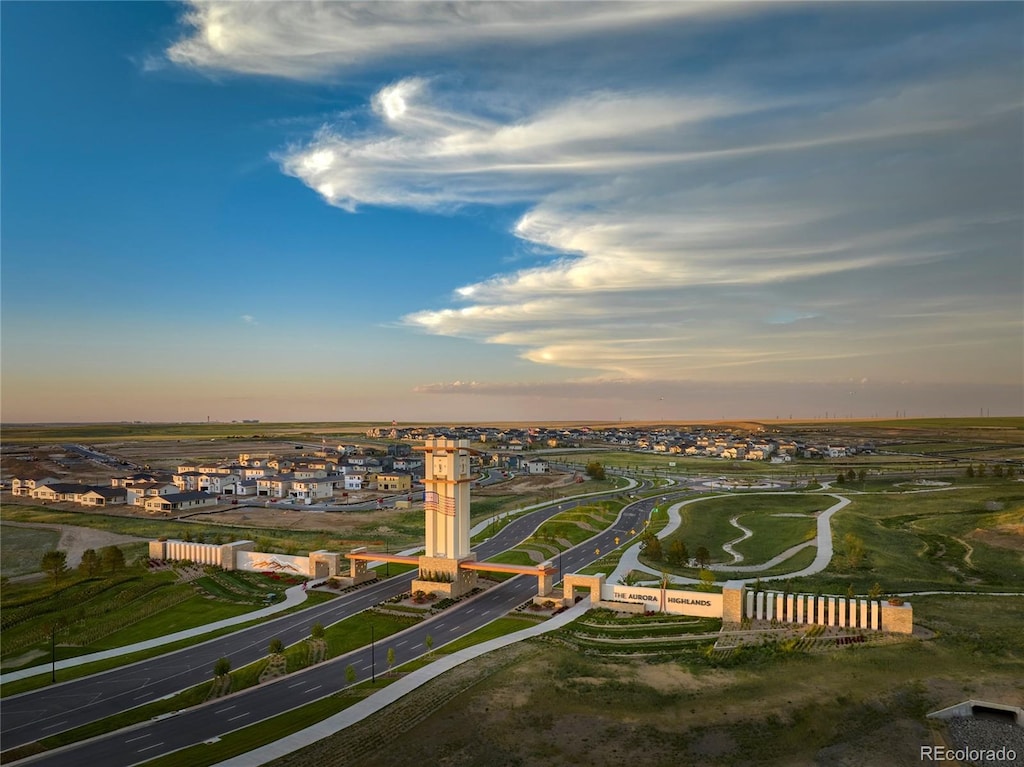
column 171, row 453
column 75, row 540
column 526, row 485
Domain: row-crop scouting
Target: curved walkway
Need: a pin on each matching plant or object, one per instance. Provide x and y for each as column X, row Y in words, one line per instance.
column 630, row 559
column 727, row 547
column 396, row 690
column 778, row 559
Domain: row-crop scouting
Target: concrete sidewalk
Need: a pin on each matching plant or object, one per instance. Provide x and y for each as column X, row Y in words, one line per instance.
column 394, row 691
column 296, row 595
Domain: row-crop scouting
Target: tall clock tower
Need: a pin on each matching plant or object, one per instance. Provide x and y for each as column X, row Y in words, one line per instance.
column 446, row 514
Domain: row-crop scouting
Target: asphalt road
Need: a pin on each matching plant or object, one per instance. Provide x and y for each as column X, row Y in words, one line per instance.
column 48, row 711
column 215, row 719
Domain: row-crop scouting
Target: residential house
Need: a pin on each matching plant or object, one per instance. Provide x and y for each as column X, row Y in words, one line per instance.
column 26, row 486
column 394, row 482
column 137, row 494
column 105, row 496
column 179, row 501
column 277, row 486
column 536, row 466
column 312, row 488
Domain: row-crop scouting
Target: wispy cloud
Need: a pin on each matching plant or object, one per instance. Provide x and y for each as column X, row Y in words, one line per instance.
column 309, row 40
column 703, row 227
column 248, row 319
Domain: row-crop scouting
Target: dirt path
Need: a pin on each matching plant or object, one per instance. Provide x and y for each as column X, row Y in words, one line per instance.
column 75, row 540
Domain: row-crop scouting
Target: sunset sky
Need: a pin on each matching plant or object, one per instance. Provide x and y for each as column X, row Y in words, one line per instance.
column 505, row 211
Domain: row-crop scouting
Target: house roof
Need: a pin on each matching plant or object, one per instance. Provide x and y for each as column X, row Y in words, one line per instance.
column 110, row 492
column 67, row 487
column 196, row 495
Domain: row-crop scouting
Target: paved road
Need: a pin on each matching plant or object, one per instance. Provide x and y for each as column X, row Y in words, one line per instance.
column 217, row 718
column 27, row 717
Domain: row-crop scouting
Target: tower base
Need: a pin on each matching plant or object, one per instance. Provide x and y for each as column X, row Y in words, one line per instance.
column 442, row 576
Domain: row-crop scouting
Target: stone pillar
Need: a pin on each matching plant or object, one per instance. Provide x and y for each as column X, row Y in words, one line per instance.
column 874, row 622
column 733, row 598
column 750, row 605
column 769, row 605
column 863, row 614
column 759, row 615
column 898, row 619
column 801, row 603
column 844, row 606
column 833, row 616
column 158, row 549
column 545, row 580
column 780, row 607
column 791, row 609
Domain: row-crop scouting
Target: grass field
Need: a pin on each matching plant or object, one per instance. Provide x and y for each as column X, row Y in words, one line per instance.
column 706, row 523
column 22, row 548
column 858, row 705
column 99, row 613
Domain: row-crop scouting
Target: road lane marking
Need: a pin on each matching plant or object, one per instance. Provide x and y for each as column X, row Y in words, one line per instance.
column 312, row 689
column 147, row 735
column 222, row 710
column 51, row 726
column 238, row 717
column 296, row 684
column 155, row 745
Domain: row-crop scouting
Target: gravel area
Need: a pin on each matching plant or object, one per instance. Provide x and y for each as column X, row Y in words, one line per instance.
column 973, row 733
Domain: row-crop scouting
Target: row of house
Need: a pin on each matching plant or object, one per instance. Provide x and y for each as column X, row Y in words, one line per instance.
column 195, row 485
column 153, row 496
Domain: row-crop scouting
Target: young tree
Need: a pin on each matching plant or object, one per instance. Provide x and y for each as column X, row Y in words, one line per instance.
column 862, row 474
column 997, row 471
column 970, row 472
column 55, row 563
column 391, row 658
column 317, row 631
column 222, row 667
column 840, row 478
column 276, row 646
column 875, row 591
column 90, row 564
column 113, row 558
column 429, row 642
column 350, row 674
column 677, row 553
column 981, row 470
column 707, row 579
column 851, row 475
column 703, row 557
column 595, row 470
column 853, row 549
column 650, row 547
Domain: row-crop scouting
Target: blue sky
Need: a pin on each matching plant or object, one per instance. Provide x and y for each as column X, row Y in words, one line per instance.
column 430, row 211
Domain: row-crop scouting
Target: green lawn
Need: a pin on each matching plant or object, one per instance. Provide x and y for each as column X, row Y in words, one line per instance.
column 772, row 535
